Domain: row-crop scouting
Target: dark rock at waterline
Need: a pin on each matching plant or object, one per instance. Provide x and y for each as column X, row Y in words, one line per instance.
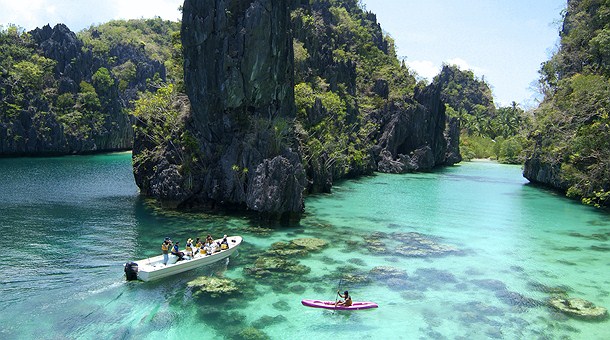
column 579, row 308
column 415, row 136
column 238, row 67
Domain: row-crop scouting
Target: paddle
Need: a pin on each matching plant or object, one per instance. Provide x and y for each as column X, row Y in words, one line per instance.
column 336, row 296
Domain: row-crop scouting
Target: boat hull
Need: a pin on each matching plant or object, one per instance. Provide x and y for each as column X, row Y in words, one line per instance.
column 331, row 305
column 153, row 268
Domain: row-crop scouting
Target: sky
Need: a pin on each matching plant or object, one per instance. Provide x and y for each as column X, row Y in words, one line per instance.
column 501, row 41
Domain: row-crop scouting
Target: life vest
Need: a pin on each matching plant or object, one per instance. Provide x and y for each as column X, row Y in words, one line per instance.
column 189, row 247
column 176, row 249
column 164, row 247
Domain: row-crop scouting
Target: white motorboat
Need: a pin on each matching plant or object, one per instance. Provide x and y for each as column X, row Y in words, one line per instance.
column 153, row 268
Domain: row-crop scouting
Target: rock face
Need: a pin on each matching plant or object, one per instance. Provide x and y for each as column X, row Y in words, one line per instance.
column 38, row 128
column 537, row 170
column 415, row 135
column 238, row 66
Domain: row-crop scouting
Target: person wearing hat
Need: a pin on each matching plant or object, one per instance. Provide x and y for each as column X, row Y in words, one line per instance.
column 165, row 246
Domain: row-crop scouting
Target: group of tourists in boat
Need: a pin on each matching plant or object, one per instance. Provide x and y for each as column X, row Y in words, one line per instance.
column 202, row 247
column 209, row 250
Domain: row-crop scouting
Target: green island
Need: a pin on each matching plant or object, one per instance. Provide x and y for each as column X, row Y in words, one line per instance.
column 296, row 126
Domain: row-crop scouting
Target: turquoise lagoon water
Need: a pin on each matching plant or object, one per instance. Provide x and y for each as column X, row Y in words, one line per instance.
column 498, row 248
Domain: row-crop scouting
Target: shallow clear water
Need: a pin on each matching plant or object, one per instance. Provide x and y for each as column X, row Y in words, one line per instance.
column 496, row 246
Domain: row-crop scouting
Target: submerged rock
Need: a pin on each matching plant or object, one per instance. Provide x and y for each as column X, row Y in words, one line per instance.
column 517, row 299
column 420, row 245
column 579, row 308
column 213, row 287
column 296, row 247
column 310, row 244
column 267, row 320
column 387, row 272
column 266, row 266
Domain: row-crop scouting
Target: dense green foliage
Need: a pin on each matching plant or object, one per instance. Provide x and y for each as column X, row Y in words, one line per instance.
column 487, row 131
column 75, row 103
column 26, row 82
column 571, row 127
column 160, row 118
column 160, row 39
column 344, row 69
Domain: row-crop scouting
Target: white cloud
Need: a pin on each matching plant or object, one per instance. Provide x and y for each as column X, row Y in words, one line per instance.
column 30, row 14
column 424, row 68
column 463, row 65
column 134, row 9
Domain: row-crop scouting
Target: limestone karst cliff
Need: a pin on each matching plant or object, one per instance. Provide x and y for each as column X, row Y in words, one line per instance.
column 59, row 95
column 246, row 136
column 238, row 67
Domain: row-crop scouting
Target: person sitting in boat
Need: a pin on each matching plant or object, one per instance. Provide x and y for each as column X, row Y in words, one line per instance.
column 344, row 303
column 165, row 246
column 189, row 248
column 198, row 246
column 209, row 247
column 209, row 239
column 176, row 251
column 224, row 244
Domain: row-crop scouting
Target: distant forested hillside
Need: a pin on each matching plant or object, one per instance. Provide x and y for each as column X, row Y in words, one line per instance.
column 64, row 93
column 487, row 131
column 570, row 141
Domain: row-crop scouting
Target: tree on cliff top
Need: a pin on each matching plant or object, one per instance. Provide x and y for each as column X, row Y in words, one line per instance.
column 571, row 132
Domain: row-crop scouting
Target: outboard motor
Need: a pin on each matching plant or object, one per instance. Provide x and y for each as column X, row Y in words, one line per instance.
column 131, row 271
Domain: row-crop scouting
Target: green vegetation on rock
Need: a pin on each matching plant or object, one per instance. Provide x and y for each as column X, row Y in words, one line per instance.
column 486, row 131
column 570, row 137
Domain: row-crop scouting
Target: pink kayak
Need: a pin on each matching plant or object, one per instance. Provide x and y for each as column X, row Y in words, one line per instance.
column 331, row 305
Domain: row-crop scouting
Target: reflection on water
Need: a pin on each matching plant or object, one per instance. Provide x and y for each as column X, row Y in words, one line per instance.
column 470, row 251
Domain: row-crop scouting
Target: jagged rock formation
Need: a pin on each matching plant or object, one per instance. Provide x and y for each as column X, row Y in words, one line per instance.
column 238, row 66
column 63, row 118
column 243, row 145
column 415, row 136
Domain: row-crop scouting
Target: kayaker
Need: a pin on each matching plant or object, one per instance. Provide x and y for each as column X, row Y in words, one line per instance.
column 345, row 303
column 176, row 251
column 167, row 243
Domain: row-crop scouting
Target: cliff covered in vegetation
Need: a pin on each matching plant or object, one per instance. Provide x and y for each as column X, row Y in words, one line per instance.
column 571, row 134
column 284, row 99
column 63, row 93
